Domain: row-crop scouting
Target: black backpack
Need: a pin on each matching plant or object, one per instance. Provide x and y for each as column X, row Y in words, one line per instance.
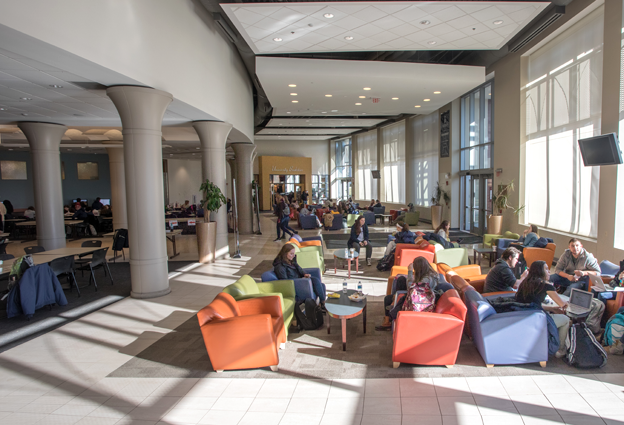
column 120, row 239
column 309, row 315
column 386, row 262
column 541, row 243
column 584, row 352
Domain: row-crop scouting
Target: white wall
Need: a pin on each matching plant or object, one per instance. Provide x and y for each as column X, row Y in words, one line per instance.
column 184, row 180
column 173, row 46
column 316, row 149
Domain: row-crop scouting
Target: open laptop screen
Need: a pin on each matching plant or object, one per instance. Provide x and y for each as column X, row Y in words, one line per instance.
column 581, row 298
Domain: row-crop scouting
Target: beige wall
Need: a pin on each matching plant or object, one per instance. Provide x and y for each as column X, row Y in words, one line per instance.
column 184, row 176
column 268, row 165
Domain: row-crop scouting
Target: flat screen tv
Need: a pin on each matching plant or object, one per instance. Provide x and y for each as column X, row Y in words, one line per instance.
column 600, row 150
column 376, row 174
column 105, row 201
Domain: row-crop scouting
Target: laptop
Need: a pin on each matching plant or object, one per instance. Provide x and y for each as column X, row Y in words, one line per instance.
column 580, row 302
column 597, row 284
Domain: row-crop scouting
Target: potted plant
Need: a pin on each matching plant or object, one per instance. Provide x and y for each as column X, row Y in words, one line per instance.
column 436, row 208
column 206, row 231
column 501, row 203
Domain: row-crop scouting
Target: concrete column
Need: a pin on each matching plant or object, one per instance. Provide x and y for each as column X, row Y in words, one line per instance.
column 45, row 141
column 118, row 187
column 232, row 163
column 141, row 110
column 244, row 176
column 213, row 136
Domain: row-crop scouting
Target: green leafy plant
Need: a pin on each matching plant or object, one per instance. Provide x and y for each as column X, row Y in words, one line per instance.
column 213, row 198
column 501, row 202
column 440, row 194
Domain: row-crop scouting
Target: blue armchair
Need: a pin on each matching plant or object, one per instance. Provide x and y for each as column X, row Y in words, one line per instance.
column 608, row 269
column 303, row 286
column 337, row 223
column 369, row 216
column 516, row 337
column 308, row 221
column 379, row 210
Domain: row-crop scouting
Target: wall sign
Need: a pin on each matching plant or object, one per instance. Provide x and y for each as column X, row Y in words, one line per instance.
column 445, row 134
column 291, row 169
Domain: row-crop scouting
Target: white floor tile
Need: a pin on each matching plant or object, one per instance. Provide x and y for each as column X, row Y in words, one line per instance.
column 425, row 406
column 277, row 388
column 276, row 405
column 582, row 420
column 495, row 405
column 341, row 388
column 302, row 405
column 421, row 420
column 345, row 405
column 382, row 388
column 451, row 387
column 233, row 404
column 533, row 405
column 312, row 388
column 381, row 419
column 339, row 419
column 462, row 420
column 517, row 385
column 59, row 420
column 507, row 420
column 185, row 416
column 301, row 419
column 458, row 406
column 221, row 417
column 570, row 404
column 487, row 385
column 553, row 384
column 381, row 406
column 417, row 387
column 261, row 418
column 243, row 388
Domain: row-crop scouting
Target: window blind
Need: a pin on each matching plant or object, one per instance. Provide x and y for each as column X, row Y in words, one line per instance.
column 424, row 160
column 393, row 139
column 367, row 161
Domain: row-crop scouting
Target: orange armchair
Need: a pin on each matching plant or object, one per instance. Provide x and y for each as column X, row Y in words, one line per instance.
column 545, row 254
column 305, row 243
column 405, row 253
column 472, row 274
column 242, row 334
column 430, row 338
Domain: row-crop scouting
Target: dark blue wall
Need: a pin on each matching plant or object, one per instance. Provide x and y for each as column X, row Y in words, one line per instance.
column 20, row 192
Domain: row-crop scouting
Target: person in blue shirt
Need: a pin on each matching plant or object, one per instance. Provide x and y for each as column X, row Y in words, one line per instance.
column 97, row 205
column 529, row 237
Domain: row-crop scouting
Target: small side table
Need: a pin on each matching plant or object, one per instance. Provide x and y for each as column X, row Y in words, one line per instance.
column 481, row 251
column 340, row 253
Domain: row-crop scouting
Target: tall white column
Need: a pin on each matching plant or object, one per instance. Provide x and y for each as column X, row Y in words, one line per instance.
column 244, row 173
column 45, row 141
column 232, row 163
column 213, row 136
column 141, row 110
column 118, row 186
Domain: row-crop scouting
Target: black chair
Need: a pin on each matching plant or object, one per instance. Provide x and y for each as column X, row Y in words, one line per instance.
column 91, row 244
column 34, row 249
column 87, row 244
column 65, row 266
column 6, row 257
column 97, row 261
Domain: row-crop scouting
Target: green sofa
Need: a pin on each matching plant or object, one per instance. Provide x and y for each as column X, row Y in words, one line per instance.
column 490, row 239
column 452, row 257
column 351, row 219
column 246, row 287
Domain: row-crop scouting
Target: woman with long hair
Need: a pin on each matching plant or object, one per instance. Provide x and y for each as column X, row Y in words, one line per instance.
column 534, row 290
column 359, row 238
column 285, row 267
column 444, row 231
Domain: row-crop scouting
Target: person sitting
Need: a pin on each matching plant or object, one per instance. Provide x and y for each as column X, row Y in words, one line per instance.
column 327, row 203
column 501, row 278
column 401, row 216
column 106, row 211
column 30, row 213
column 359, row 238
column 444, row 231
column 304, row 211
column 534, row 290
column 372, row 205
column 402, row 235
column 186, row 205
column 574, row 267
column 377, row 204
column 418, row 271
column 80, row 213
column 66, row 210
column 96, row 205
column 285, row 267
column 529, row 237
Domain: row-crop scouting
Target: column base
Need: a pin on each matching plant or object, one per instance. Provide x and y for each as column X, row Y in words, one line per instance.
column 146, row 295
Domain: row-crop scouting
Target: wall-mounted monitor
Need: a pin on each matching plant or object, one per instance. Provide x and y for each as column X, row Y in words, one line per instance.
column 601, row 150
column 82, row 200
column 107, row 201
column 376, row 174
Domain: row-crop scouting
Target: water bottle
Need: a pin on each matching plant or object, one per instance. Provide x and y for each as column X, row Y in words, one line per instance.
column 344, row 286
column 360, row 287
column 346, row 252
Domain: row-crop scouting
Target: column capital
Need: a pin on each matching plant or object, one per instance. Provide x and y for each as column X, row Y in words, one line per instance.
column 243, row 151
column 43, row 135
column 139, row 107
column 212, row 134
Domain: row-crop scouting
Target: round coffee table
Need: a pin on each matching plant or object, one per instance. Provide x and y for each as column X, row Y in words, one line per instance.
column 343, row 308
column 340, row 253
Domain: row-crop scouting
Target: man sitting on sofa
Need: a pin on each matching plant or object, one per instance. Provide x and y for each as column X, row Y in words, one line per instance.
column 501, row 278
column 574, row 267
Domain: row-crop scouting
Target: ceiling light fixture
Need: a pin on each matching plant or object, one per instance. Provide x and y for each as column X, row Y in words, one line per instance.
column 334, row 110
column 197, row 148
column 3, row 109
column 329, row 15
column 362, row 97
column 417, row 106
column 437, row 92
column 367, row 88
column 323, row 112
column 288, row 112
column 25, row 98
column 432, row 42
column 348, row 38
column 292, row 85
column 358, row 104
column 328, row 95
column 277, row 39
column 293, row 94
column 295, row 101
column 498, row 22
column 25, row 115
column 56, row 86
column 395, row 98
column 426, row 100
column 425, row 22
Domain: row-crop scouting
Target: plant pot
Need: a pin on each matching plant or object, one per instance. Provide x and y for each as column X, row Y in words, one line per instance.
column 206, row 241
column 436, row 215
column 495, row 224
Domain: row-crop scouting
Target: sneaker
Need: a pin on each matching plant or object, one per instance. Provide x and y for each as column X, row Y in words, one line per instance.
column 277, row 240
column 561, row 353
column 369, row 262
column 617, row 348
column 383, row 328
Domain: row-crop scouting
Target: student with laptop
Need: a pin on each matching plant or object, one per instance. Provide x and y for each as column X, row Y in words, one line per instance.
column 574, row 267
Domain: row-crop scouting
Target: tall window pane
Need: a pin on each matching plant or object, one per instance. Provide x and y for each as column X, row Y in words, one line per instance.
column 393, row 139
column 424, row 161
column 367, row 161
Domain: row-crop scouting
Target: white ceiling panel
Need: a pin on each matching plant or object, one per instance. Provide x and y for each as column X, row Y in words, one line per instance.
column 308, row 137
column 329, row 122
column 300, row 27
column 310, row 131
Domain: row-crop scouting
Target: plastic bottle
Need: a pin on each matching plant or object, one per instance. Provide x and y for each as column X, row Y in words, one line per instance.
column 360, row 287
column 344, row 286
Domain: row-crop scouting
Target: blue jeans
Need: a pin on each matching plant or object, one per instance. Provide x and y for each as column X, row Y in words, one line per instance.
column 582, row 283
column 283, row 224
column 319, row 288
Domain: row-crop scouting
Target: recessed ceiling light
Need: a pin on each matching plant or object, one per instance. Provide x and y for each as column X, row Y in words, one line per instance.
column 348, row 38
column 293, row 94
column 10, row 149
column 334, row 110
column 498, row 22
column 425, row 22
column 288, row 112
column 295, row 101
column 281, row 124
column 170, row 154
column 328, row 15
column 432, row 42
column 358, row 104
column 417, row 106
column 395, row 98
column 362, row 97
column 328, row 95
column 323, row 112
column 367, row 88
column 25, row 98
column 68, row 150
column 56, row 86
column 3, row 109
column 25, row 115
column 197, row 148
column 426, row 100
column 277, row 39
column 292, row 85
column 437, row 92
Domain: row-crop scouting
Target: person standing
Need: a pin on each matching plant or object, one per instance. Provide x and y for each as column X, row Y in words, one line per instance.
column 359, row 238
column 304, row 197
column 3, row 212
column 96, row 205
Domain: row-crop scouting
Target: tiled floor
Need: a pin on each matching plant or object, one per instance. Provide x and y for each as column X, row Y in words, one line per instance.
column 61, row 377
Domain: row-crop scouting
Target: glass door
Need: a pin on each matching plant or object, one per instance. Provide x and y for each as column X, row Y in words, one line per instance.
column 477, row 202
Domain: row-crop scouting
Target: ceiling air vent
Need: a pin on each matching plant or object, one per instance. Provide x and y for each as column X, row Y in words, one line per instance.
column 541, row 25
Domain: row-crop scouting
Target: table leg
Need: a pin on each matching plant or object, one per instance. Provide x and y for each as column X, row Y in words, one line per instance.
column 474, row 257
column 344, row 334
column 173, row 241
column 364, row 314
column 349, row 261
column 357, row 264
column 335, row 265
column 328, row 326
column 490, row 256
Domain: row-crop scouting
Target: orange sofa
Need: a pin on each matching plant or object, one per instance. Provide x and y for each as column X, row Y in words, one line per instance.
column 545, row 254
column 426, row 338
column 471, row 273
column 405, row 253
column 242, row 334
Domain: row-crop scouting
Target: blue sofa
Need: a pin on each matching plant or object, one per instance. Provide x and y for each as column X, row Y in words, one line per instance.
column 379, row 210
column 303, row 286
column 337, row 223
column 308, row 221
column 516, row 337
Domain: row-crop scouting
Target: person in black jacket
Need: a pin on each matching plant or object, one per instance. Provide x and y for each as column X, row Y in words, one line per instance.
column 359, row 238
column 501, row 277
column 285, row 267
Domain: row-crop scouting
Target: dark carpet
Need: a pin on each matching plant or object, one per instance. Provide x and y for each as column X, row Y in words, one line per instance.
column 368, row 271
column 17, row 330
column 338, row 241
column 315, row 354
column 465, row 237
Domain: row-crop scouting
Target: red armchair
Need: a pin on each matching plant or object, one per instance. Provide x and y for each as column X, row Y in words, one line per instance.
column 430, row 338
column 242, row 334
column 405, row 253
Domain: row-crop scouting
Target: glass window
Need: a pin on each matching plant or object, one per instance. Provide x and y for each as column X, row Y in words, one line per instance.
column 393, row 139
column 476, row 135
column 367, row 161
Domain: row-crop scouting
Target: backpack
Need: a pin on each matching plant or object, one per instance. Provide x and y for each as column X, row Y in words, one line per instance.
column 596, row 310
column 584, row 352
column 286, row 211
column 328, row 220
column 420, row 297
column 614, row 329
column 386, row 262
column 309, row 315
column 120, row 239
column 541, row 243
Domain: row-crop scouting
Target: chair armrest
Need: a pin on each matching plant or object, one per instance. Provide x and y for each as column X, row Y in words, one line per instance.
column 303, row 289
column 284, row 287
column 500, row 294
column 263, row 305
column 314, row 272
column 503, row 243
column 310, row 243
column 468, row 270
column 397, row 270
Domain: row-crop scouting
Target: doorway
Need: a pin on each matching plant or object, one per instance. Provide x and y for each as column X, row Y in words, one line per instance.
column 477, row 202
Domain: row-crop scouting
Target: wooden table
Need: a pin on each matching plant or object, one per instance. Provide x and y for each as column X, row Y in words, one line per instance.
column 343, row 308
column 14, row 220
column 339, row 253
column 181, row 219
column 479, row 252
column 171, row 236
column 4, row 235
column 64, row 252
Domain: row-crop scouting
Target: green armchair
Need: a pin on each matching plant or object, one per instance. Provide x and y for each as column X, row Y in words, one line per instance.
column 489, row 239
column 411, row 218
column 246, row 287
column 351, row 219
column 452, row 257
column 310, row 257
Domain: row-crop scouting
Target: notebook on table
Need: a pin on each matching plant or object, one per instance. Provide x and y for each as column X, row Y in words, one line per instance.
column 580, row 302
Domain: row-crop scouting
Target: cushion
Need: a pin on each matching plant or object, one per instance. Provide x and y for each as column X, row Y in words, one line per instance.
column 485, row 310
column 297, row 237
